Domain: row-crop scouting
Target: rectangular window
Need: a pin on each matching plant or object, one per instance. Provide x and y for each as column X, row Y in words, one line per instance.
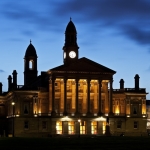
column 26, row 125
column 135, row 125
column 119, row 125
column 104, row 127
column 56, row 84
column 71, row 127
column 59, row 127
column 94, row 127
column 44, row 125
column 82, row 127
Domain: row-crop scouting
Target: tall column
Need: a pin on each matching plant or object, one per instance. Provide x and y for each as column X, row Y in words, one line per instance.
column 84, row 97
column 77, row 101
column 95, row 97
column 62, row 96
column 73, row 96
column 100, row 100
column 65, row 96
column 88, row 96
column 106, row 97
column 110, row 97
column 53, row 96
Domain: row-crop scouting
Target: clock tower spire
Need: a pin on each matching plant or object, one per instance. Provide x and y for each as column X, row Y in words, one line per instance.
column 70, row 48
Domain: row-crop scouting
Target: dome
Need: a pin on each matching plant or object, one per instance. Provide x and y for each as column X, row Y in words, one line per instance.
column 70, row 27
column 30, row 51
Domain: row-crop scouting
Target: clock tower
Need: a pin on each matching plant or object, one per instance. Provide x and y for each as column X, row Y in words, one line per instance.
column 70, row 48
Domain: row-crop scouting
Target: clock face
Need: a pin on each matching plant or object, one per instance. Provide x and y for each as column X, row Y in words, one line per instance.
column 64, row 54
column 72, row 54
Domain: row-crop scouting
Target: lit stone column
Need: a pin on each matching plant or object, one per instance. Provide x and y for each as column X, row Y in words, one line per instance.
column 110, row 97
column 88, row 96
column 73, row 95
column 95, row 97
column 106, row 97
column 62, row 95
column 127, row 106
column 77, row 80
column 99, row 102
column 53, row 96
column 143, row 106
column 84, row 97
column 65, row 96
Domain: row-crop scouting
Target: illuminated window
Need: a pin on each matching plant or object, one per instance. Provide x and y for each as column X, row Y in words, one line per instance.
column 59, row 127
column 26, row 125
column 70, row 127
column 82, row 127
column 44, row 125
column 119, row 125
column 94, row 127
column 104, row 127
column 135, row 125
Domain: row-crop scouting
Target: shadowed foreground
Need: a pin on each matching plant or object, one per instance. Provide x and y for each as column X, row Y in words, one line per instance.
column 99, row 143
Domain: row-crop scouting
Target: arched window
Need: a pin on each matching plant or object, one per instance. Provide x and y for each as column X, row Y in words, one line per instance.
column 31, row 64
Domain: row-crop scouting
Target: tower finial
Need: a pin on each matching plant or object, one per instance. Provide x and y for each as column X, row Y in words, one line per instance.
column 30, row 41
column 70, row 18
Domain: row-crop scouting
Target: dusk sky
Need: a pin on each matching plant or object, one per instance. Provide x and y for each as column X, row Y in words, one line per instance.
column 113, row 33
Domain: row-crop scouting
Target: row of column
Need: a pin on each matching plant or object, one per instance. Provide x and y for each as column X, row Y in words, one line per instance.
column 52, row 95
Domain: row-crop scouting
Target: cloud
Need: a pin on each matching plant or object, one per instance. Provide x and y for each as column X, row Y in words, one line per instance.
column 131, row 18
column 1, row 71
column 139, row 35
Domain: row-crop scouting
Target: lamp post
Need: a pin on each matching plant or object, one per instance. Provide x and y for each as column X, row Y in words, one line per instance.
column 13, row 105
column 79, row 127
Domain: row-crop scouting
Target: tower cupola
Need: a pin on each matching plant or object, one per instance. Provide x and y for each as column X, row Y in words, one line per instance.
column 30, row 64
column 70, row 48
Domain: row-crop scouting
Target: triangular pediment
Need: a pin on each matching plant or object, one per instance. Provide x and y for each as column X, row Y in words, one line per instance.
column 83, row 65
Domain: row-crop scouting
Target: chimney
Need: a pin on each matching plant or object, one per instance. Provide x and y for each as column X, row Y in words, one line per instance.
column 121, row 84
column 136, row 81
column 14, row 79
column 9, row 82
column 1, row 88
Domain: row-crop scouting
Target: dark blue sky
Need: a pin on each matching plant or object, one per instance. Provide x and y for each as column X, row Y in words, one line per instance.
column 114, row 33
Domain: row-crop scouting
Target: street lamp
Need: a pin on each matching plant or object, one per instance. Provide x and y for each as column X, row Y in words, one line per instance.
column 79, row 127
column 13, row 105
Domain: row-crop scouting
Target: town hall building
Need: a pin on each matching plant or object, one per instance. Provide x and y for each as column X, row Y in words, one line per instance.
column 76, row 98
